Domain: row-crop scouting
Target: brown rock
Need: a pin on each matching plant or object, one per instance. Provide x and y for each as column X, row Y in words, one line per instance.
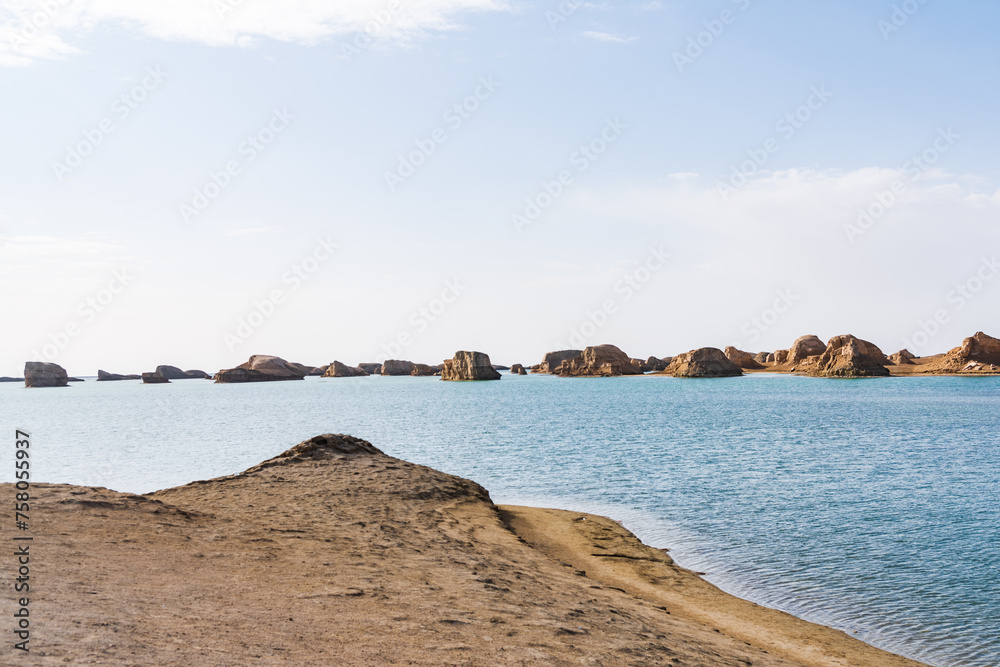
column 762, row 357
column 656, row 364
column 641, row 365
column 770, row 358
column 980, row 348
column 339, row 370
column 371, row 368
column 705, row 362
column 598, row 361
column 154, row 378
column 742, row 359
column 805, row 347
column 468, row 366
column 780, row 356
column 518, row 369
column 903, row 357
column 170, row 372
column 197, row 375
column 397, row 367
column 261, row 368
column 552, row 361
column 104, row 376
column 850, row 357
column 44, row 374
column 423, row 370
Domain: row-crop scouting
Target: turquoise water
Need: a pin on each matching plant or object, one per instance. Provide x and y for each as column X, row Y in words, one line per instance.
column 867, row 505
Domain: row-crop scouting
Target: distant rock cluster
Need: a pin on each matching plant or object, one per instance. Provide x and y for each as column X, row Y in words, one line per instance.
column 844, row 356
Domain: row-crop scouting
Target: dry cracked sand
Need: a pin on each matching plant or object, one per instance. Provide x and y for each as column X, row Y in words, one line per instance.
column 335, row 554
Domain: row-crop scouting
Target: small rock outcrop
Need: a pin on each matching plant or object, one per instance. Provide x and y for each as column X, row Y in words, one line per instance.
column 518, row 369
column 742, row 359
column 656, row 364
column 770, row 358
column 598, row 361
column 553, row 360
column 641, row 365
column 339, row 370
column 705, row 362
column 197, row 375
column 805, row 347
column 423, row 370
column 901, row 358
column 469, row 366
column 980, row 349
column 170, row 372
column 10, row 379
column 44, row 374
column 104, row 376
column 500, row 367
column 260, row 368
column 397, row 367
column 319, row 371
column 154, row 378
column 780, row 356
column 761, row 357
column 371, row 368
column 850, row 357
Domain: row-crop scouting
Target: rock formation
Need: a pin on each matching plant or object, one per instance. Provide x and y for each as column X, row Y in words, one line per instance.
column 903, row 357
column 306, row 370
column 10, row 379
column 500, row 367
column 762, row 357
column 261, row 368
column 469, row 366
column 979, row 349
column 850, row 357
column 705, row 362
column 104, row 376
column 780, row 356
column 170, row 372
column 339, row 370
column 770, row 358
column 803, row 348
column 397, row 367
column 44, row 374
column 598, row 361
column 656, row 364
column 742, row 359
column 552, row 361
column 197, row 375
column 370, row 368
column 423, row 370
column 641, row 365
column 518, row 369
column 319, row 371
column 154, row 378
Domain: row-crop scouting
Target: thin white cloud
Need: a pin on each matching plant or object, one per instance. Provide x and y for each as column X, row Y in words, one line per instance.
column 607, row 37
column 30, row 31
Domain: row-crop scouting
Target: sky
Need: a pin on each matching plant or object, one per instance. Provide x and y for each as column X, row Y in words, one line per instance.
column 193, row 182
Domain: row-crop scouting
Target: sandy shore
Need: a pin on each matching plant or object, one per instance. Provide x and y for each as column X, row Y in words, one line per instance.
column 334, row 553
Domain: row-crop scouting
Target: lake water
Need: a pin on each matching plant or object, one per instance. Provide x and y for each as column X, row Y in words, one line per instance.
column 868, row 505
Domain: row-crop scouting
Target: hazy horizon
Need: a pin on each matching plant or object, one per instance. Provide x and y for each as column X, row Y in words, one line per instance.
column 493, row 176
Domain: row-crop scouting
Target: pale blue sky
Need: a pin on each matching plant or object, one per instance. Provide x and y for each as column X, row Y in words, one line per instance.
column 344, row 121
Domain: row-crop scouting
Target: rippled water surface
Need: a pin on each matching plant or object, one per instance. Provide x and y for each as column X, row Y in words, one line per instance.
column 869, row 505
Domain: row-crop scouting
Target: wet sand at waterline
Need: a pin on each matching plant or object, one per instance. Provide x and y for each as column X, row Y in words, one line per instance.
column 334, row 553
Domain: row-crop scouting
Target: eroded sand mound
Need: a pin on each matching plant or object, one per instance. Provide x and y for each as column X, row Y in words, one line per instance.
column 335, row 554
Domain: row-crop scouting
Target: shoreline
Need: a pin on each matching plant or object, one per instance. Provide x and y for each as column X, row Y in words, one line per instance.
column 374, row 560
